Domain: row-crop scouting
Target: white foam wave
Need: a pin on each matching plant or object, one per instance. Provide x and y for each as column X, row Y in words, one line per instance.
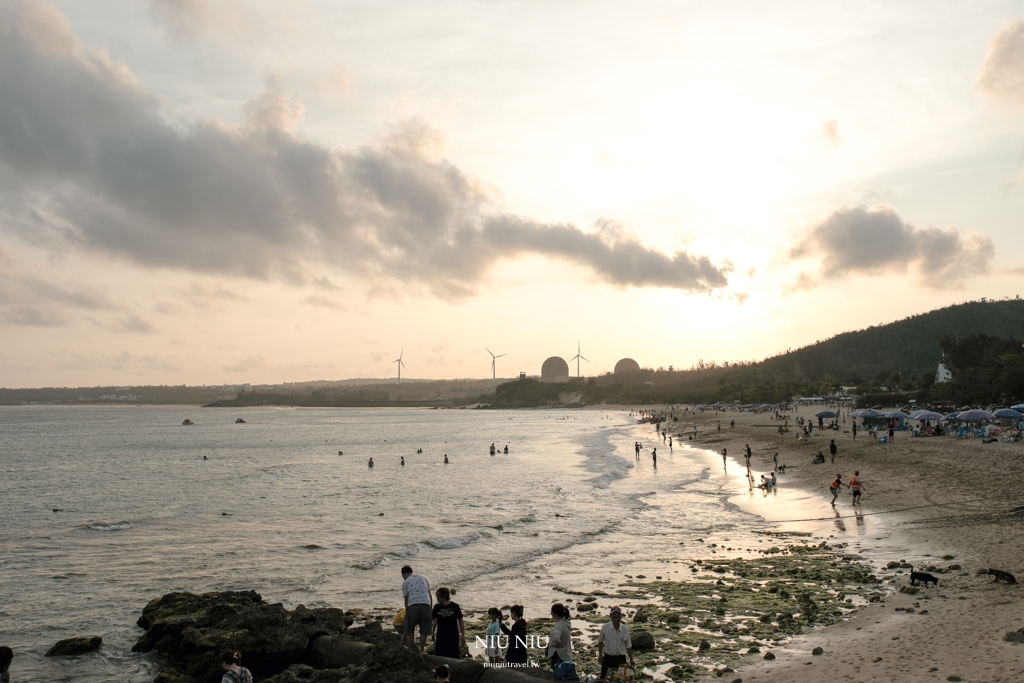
column 116, row 526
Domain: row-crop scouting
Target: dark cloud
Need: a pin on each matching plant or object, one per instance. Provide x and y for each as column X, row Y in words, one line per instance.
column 88, row 159
column 1001, row 75
column 25, row 299
column 861, row 240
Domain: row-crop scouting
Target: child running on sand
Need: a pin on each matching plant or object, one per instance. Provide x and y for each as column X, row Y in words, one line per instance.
column 856, row 485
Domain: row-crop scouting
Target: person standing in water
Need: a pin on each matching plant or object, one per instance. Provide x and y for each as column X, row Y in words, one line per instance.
column 775, row 461
column 856, row 485
column 835, row 486
column 654, row 454
column 370, row 464
column 725, row 452
column 403, row 461
column 445, row 458
column 6, row 657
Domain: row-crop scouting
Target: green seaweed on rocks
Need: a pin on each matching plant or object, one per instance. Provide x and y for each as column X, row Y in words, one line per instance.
column 704, row 624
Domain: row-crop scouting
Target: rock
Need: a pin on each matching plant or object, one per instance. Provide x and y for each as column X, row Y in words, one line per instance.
column 1015, row 636
column 170, row 674
column 640, row 617
column 672, row 619
column 190, row 630
column 818, row 651
column 642, row 640
column 336, row 652
column 768, row 656
column 72, row 647
column 753, row 649
column 586, row 607
column 737, row 680
column 953, row 678
column 954, row 567
column 704, row 645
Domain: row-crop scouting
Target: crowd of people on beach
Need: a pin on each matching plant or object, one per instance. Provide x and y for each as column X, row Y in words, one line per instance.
column 443, row 623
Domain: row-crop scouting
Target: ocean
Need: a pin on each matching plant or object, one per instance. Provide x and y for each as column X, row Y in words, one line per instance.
column 106, row 508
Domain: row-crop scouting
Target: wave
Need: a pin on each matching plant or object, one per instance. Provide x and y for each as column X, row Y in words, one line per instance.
column 398, row 553
column 451, row 542
column 116, row 526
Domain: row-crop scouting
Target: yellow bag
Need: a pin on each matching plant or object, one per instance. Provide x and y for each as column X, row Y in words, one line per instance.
column 399, row 620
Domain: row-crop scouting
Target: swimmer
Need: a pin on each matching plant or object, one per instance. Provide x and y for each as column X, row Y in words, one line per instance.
column 506, row 449
column 403, row 461
column 205, row 458
column 370, row 464
column 341, row 453
column 445, row 458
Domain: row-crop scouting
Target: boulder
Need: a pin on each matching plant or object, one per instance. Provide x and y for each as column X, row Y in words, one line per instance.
column 640, row 617
column 190, row 630
column 336, row 652
column 1013, row 636
column 768, row 655
column 72, row 647
column 170, row 674
column 642, row 640
column 817, row 651
column 704, row 645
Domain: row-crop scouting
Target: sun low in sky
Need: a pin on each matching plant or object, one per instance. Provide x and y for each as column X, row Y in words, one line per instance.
column 201, row 191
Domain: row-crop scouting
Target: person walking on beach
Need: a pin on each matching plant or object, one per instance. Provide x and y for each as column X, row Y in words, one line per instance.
column 833, row 449
column 654, row 454
column 637, row 447
column 747, row 452
column 732, row 424
column 560, row 639
column 856, row 485
column 719, row 426
column 231, row 662
column 516, row 652
column 835, row 486
column 775, row 462
column 449, row 631
column 746, row 458
column 613, row 644
column 725, row 452
column 6, row 657
column 418, row 603
column 892, row 434
column 670, row 443
column 854, row 430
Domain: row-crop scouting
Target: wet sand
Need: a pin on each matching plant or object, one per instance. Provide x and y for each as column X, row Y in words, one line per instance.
column 923, row 499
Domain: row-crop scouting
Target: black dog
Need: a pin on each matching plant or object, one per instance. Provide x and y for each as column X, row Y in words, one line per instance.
column 1002, row 576
column 923, row 577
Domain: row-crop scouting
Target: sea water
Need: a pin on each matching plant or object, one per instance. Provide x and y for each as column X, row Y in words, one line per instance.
column 105, row 508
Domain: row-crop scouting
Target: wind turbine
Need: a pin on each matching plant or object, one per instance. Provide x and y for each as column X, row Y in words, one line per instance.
column 577, row 358
column 400, row 364
column 494, row 363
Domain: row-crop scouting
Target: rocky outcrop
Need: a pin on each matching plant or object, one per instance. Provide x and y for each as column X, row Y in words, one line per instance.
column 191, row 630
column 72, row 647
column 642, row 640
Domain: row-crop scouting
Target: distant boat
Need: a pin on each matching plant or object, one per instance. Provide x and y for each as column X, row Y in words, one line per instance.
column 239, row 421
column 188, row 422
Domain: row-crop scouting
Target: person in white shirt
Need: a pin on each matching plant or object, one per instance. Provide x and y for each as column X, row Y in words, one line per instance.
column 418, row 605
column 614, row 645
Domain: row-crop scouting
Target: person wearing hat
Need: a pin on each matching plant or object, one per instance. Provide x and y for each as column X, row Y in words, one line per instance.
column 614, row 645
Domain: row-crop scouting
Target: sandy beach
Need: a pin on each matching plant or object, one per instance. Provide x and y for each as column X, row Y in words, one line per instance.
column 924, row 499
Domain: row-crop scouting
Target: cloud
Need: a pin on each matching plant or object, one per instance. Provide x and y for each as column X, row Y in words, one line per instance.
column 1001, row 76
column 89, row 161
column 337, row 80
column 132, row 323
column 861, row 240
column 830, row 133
column 25, row 299
column 323, row 302
column 185, row 20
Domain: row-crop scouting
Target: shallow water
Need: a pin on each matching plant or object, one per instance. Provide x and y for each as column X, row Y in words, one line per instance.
column 275, row 507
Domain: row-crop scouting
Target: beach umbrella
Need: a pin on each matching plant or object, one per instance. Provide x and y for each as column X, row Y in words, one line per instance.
column 896, row 415
column 870, row 412
column 951, row 417
column 1018, row 407
column 827, row 413
column 975, row 416
column 855, row 413
column 923, row 415
column 913, row 415
column 1008, row 413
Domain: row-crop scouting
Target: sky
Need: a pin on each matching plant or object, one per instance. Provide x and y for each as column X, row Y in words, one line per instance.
column 207, row 191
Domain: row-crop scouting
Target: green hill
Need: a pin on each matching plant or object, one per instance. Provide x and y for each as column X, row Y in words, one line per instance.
column 900, row 357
